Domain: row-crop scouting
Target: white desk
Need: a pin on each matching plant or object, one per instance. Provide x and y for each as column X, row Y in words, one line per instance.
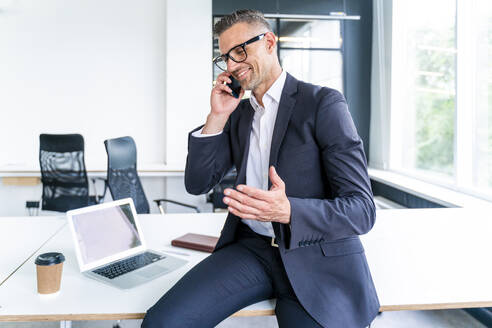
column 420, row 259
column 425, row 259
column 21, row 237
column 82, row 298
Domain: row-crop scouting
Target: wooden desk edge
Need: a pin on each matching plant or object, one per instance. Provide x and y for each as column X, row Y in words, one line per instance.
column 241, row 313
column 111, row 316
column 434, row 306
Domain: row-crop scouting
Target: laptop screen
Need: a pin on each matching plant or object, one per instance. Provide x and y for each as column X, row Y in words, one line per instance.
column 105, row 232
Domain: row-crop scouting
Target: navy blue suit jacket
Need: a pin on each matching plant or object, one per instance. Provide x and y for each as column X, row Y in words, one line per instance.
column 319, row 155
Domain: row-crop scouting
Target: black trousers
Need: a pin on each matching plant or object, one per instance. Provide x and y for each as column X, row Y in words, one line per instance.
column 243, row 273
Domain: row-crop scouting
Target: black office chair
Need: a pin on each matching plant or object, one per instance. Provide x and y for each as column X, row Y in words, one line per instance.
column 123, row 180
column 63, row 173
column 216, row 196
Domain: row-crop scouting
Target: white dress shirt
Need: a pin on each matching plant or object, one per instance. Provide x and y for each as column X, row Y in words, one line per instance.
column 260, row 142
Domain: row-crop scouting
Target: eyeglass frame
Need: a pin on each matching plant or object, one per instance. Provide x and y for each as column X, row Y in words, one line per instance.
column 243, row 45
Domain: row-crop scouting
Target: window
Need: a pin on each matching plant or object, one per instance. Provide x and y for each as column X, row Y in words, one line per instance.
column 309, row 49
column 481, row 93
column 441, row 90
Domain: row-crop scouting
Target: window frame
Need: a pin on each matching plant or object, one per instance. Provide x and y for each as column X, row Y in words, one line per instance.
column 464, row 144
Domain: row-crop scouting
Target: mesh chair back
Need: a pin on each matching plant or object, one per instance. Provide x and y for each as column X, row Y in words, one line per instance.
column 123, row 180
column 63, row 172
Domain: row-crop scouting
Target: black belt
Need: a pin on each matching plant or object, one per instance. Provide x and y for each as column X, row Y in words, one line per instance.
column 271, row 240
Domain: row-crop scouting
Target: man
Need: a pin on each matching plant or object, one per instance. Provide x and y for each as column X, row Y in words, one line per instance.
column 302, row 196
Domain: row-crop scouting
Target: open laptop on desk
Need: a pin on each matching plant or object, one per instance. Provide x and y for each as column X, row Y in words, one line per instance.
column 110, row 246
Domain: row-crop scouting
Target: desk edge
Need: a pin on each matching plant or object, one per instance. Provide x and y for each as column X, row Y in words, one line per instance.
column 241, row 313
column 111, row 316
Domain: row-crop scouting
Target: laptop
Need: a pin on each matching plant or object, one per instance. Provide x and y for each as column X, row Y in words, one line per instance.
column 110, row 246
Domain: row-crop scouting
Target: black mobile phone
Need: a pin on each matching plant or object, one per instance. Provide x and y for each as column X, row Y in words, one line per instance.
column 235, row 87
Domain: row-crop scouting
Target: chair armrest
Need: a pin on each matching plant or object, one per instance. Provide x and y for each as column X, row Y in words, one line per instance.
column 100, row 198
column 163, row 200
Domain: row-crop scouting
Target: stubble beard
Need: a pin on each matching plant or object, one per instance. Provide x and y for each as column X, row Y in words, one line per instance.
column 253, row 83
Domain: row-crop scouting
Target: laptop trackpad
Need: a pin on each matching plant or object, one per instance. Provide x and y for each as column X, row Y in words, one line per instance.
column 152, row 271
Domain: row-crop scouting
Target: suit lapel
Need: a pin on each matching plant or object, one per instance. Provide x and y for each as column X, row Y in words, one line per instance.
column 285, row 108
column 244, row 132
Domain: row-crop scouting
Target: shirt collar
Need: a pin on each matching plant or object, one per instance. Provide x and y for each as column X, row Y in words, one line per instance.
column 275, row 91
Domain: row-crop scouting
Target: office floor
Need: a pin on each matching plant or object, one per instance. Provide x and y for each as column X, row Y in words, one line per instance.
column 400, row 319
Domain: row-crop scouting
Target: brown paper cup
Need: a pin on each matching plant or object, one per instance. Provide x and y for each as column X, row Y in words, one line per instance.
column 49, row 278
column 49, row 267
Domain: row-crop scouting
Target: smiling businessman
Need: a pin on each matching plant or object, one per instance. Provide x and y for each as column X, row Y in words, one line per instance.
column 301, row 199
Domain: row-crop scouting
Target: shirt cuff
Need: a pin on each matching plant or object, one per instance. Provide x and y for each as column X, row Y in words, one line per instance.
column 198, row 134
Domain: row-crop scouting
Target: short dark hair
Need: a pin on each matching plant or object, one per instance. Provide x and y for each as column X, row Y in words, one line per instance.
column 250, row 16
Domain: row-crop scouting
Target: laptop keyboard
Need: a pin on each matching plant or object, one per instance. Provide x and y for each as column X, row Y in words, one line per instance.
column 121, row 267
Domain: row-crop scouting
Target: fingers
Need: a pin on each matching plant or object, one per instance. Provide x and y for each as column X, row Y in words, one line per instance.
column 244, row 206
column 243, row 215
column 257, row 204
column 234, row 204
column 224, row 77
column 255, row 192
column 245, row 199
column 275, row 179
column 219, row 87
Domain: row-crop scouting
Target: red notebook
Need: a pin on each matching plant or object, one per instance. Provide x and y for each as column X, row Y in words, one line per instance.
column 197, row 242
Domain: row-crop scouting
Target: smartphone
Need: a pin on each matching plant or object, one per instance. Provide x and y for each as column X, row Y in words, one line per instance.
column 235, row 87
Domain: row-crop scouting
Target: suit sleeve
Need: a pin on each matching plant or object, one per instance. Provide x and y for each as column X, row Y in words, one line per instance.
column 351, row 211
column 208, row 160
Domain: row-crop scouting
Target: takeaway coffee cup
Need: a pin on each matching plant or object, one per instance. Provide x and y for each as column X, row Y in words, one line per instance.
column 49, row 268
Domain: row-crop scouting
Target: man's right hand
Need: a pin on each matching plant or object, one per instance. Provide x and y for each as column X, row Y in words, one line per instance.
column 222, row 103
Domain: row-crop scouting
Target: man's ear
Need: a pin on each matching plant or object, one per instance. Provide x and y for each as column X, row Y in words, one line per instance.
column 271, row 41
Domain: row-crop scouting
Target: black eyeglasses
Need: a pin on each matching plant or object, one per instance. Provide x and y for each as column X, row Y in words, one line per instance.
column 237, row 53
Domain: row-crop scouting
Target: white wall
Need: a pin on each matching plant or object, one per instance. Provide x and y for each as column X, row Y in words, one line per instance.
column 92, row 67
column 82, row 61
column 189, row 72
column 104, row 69
column 189, row 82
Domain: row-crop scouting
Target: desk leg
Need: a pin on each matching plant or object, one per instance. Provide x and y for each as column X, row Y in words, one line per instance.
column 65, row 324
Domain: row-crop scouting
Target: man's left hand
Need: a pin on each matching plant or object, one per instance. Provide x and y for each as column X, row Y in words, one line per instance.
column 261, row 205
